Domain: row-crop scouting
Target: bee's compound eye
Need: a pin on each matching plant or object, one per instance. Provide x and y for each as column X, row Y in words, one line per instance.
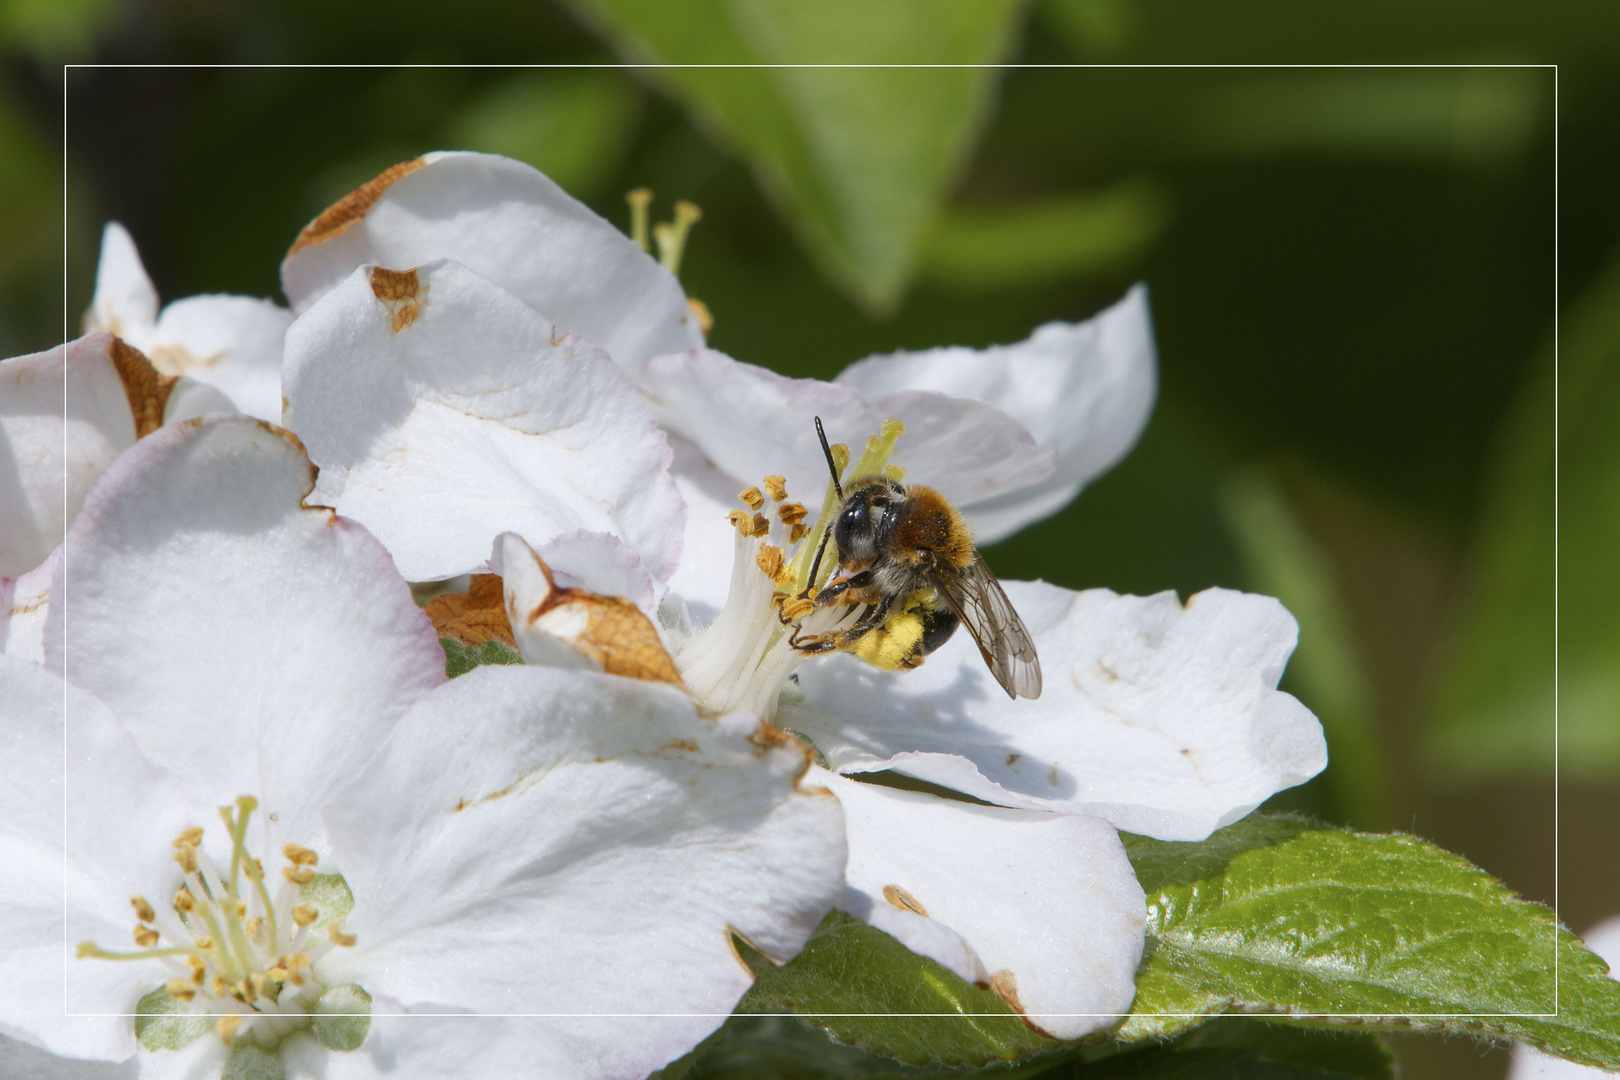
column 853, row 533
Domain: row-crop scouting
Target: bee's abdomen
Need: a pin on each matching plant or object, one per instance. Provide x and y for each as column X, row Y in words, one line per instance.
column 931, row 524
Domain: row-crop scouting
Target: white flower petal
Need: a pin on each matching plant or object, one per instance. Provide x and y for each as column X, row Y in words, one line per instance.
column 108, row 785
column 24, row 604
column 1083, row 389
column 125, row 302
column 604, row 564
column 510, row 223
column 752, row 422
column 445, row 417
column 585, row 847
column 47, row 463
column 232, row 343
column 709, row 544
column 1528, row 1063
column 1047, row 903
column 435, row 1048
column 281, row 644
column 1163, row 720
column 189, row 399
column 21, row 1061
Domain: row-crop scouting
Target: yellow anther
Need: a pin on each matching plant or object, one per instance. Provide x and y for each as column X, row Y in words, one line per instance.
column 892, row 429
column 334, row 930
column 145, row 936
column 299, row 856
column 197, row 965
column 87, row 948
column 184, row 901
column 278, row 973
column 671, row 236
column 777, row 486
column 186, row 856
column 873, row 444
column 305, row 913
column 247, row 803
column 181, row 989
column 796, row 607
column 254, row 927
column 190, row 837
column 205, row 942
column 639, row 199
column 241, row 909
column 896, row 473
column 227, row 1027
column 143, row 910
column 751, row 497
column 798, row 532
column 218, row 989
column 742, row 522
column 762, row 525
column 257, row 982
column 840, row 453
column 769, row 560
column 295, row 962
column 792, row 513
column 303, row 875
column 701, row 312
column 198, row 973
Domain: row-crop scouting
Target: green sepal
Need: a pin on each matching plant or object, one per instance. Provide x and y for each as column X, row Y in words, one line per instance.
column 850, row 967
column 331, row 896
column 162, row 1022
column 460, row 658
column 1331, row 927
column 343, row 1017
column 250, row 1061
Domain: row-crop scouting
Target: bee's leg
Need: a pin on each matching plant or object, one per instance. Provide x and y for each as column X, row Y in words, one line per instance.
column 833, row 592
column 833, row 640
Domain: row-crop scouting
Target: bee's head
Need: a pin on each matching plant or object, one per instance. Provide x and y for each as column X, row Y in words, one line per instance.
column 867, row 521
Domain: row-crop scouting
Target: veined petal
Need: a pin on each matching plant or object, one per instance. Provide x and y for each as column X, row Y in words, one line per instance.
column 1162, row 719
column 443, row 411
column 1047, row 903
column 282, row 645
column 24, row 603
column 108, row 785
column 1084, row 389
column 231, row 343
column 750, row 421
column 126, row 301
column 513, row 225
column 587, row 847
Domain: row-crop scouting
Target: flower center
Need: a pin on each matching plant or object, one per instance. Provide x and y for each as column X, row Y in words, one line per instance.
column 743, row 660
column 241, row 950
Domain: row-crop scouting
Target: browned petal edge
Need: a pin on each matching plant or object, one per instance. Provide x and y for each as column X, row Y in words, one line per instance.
column 767, row 737
column 400, row 292
column 352, row 207
column 475, row 616
column 903, row 900
column 733, row 935
column 292, row 440
column 146, row 389
column 1006, row 988
column 617, row 636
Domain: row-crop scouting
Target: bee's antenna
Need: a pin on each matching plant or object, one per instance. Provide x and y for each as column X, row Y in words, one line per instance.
column 825, row 449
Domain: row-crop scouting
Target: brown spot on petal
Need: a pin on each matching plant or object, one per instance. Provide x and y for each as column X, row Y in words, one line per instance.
column 1006, row 988
column 147, row 390
column 700, row 311
column 352, row 207
column 903, row 900
column 689, row 745
column 401, row 293
column 613, row 631
column 475, row 616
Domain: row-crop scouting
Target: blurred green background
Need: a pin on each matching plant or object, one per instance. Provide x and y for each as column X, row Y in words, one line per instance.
column 1356, row 275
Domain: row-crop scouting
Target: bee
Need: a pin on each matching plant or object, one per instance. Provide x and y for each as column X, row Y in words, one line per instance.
column 907, row 556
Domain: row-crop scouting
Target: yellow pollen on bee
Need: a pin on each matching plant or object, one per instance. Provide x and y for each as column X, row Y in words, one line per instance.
column 189, row 837
column 305, row 913
column 299, row 856
column 227, row 1027
column 334, row 930
column 792, row 513
column 181, row 989
column 184, row 901
column 301, row 875
column 777, row 486
column 145, row 936
column 751, row 497
column 143, row 910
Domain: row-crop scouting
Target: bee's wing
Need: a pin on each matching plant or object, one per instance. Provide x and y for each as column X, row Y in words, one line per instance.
column 976, row 597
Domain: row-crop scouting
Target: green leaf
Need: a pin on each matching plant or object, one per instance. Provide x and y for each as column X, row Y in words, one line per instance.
column 572, row 125
column 342, row 1017
column 460, row 658
column 164, row 1023
column 1363, row 1055
column 1283, row 560
column 773, row 1047
column 249, row 1061
column 1212, row 1064
column 331, row 896
column 850, row 967
column 1329, row 926
column 1030, row 242
column 858, row 159
column 1533, row 642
